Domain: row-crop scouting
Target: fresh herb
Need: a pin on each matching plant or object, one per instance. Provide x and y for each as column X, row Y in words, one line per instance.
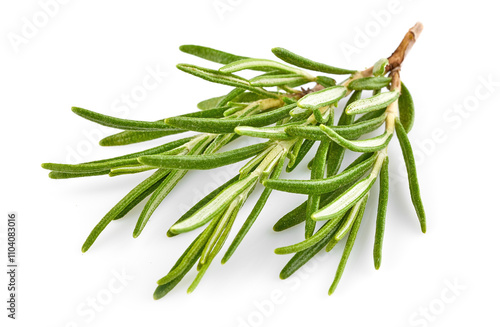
column 291, row 120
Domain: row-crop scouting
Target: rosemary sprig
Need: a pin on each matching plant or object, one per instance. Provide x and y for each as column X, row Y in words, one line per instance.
column 292, row 120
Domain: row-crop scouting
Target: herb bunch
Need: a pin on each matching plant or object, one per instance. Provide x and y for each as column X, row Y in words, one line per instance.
column 292, row 120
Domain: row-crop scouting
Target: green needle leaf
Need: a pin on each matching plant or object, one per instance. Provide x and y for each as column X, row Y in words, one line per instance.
column 205, row 161
column 138, row 199
column 89, row 167
column 331, row 244
column 369, row 145
column 219, row 141
column 272, row 133
column 126, row 170
column 211, row 103
column 255, row 161
column 348, row 247
column 336, row 152
column 248, row 97
column 305, row 146
column 214, row 206
column 137, row 136
column 254, row 214
column 275, row 80
column 411, row 169
column 203, row 201
column 232, row 95
column 302, row 257
column 158, row 196
column 298, row 215
column 106, row 164
column 381, row 213
column 233, row 110
column 325, row 97
column 313, row 200
column 379, row 67
column 214, row 55
column 312, row 240
column 226, row 219
column 406, row 108
column 326, row 81
column 217, row 112
column 321, row 118
column 64, row 175
column 215, row 251
column 369, row 83
column 349, row 221
column 379, row 101
column 258, row 64
column 191, row 255
column 370, row 115
column 300, row 113
column 162, row 290
column 352, row 131
column 166, row 186
column 216, row 76
column 122, row 204
column 132, row 137
column 336, row 209
column 303, row 62
column 212, row 125
column 122, row 123
column 325, row 185
column 288, row 100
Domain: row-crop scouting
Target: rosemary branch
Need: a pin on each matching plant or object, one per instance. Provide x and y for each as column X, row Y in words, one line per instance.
column 291, row 120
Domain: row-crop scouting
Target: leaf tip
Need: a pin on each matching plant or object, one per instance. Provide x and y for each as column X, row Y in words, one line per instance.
column 185, row 47
column 183, row 67
column 174, row 230
column 277, row 227
column 145, row 160
column 277, row 50
column 238, row 130
column 104, row 142
column 423, row 227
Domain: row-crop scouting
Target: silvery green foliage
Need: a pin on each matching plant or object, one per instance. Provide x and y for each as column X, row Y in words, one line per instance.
column 288, row 121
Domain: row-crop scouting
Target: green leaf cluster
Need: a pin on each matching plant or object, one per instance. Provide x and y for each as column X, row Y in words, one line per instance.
column 267, row 106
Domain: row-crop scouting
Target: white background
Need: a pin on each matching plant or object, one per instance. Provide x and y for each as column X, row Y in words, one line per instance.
column 91, row 53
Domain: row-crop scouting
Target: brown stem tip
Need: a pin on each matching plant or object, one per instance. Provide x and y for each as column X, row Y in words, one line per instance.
column 397, row 57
